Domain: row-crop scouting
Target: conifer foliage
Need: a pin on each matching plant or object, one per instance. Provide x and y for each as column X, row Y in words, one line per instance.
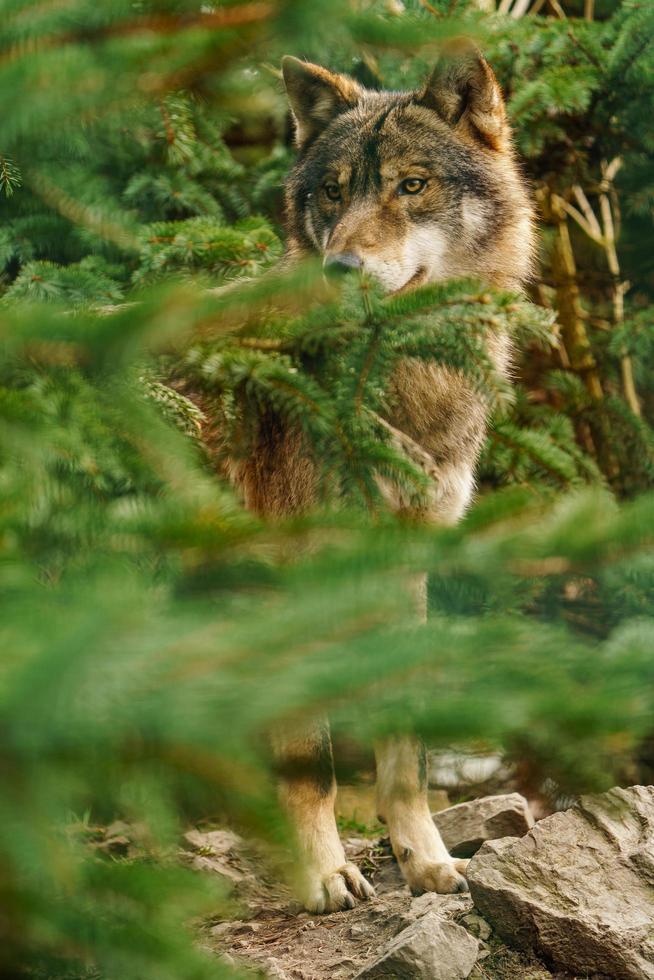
column 152, row 631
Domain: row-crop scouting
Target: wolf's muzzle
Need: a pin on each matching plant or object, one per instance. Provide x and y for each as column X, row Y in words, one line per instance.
column 336, row 265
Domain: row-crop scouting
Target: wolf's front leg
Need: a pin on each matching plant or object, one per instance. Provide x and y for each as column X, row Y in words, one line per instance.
column 403, row 804
column 326, row 881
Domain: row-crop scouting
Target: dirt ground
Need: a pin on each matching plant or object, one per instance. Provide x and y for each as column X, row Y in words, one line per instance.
column 275, row 938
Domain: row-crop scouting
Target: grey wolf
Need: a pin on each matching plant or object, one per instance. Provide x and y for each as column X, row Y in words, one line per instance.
column 412, row 188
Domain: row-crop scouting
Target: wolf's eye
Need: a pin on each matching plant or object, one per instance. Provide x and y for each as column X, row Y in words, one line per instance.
column 332, row 191
column 412, row 185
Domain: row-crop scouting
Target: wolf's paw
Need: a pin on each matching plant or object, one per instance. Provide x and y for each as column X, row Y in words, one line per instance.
column 443, row 877
column 336, row 890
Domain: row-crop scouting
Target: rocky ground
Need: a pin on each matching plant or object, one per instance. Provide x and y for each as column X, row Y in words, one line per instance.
column 393, row 935
column 279, row 940
column 575, row 892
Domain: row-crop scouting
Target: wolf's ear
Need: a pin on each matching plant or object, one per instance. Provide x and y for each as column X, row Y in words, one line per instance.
column 316, row 96
column 465, row 93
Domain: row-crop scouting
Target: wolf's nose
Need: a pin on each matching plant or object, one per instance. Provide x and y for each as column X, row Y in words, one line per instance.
column 341, row 263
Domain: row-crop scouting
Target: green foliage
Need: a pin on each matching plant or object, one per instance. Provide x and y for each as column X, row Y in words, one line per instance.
column 153, row 632
column 143, row 670
column 580, row 95
column 87, row 281
column 9, row 177
column 221, row 251
column 329, row 372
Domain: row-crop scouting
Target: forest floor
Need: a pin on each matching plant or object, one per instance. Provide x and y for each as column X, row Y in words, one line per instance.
column 279, row 940
column 274, row 937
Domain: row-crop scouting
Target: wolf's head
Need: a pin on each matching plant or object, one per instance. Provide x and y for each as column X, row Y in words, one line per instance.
column 411, row 187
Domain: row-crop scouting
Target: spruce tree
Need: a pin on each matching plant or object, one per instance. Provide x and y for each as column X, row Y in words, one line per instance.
column 153, row 632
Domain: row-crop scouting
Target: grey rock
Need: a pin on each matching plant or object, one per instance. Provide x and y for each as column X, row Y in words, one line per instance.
column 466, row 826
column 477, row 925
column 274, row 970
column 223, row 928
column 214, row 842
column 444, row 905
column 431, row 948
column 578, row 889
column 484, row 951
column 498, row 846
column 216, row 850
column 456, row 769
column 343, row 968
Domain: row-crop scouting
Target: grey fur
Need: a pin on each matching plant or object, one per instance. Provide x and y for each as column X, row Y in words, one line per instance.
column 472, row 218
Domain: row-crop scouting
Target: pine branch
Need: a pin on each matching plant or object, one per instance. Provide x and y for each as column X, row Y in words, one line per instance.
column 10, row 177
column 237, row 16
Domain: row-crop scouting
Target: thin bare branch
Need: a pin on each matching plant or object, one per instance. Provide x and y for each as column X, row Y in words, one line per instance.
column 571, row 312
column 579, row 218
column 585, row 206
column 557, row 9
column 609, row 170
column 260, row 343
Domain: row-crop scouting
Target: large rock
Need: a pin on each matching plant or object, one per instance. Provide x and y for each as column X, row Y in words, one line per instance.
column 430, row 948
column 465, row 827
column 579, row 887
column 451, row 770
